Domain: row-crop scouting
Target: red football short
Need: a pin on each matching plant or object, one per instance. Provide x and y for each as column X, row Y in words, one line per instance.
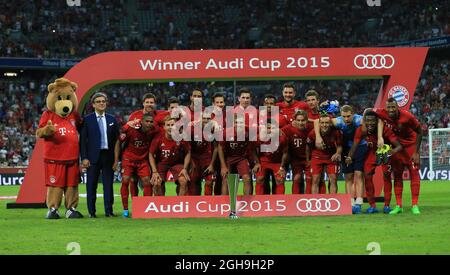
column 240, row 165
column 175, row 170
column 269, row 166
column 60, row 174
column 318, row 166
column 404, row 156
column 299, row 166
column 139, row 167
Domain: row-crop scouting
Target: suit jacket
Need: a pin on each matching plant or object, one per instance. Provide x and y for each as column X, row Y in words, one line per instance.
column 90, row 137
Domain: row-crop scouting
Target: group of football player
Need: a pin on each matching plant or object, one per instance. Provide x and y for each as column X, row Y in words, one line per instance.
column 312, row 139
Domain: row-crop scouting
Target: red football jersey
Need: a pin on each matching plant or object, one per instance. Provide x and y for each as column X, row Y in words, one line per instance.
column 236, row 149
column 169, row 152
column 296, row 141
column 201, row 150
column 64, row 144
column 137, row 143
column 331, row 140
column 403, row 127
column 250, row 118
column 276, row 156
column 372, row 138
column 289, row 110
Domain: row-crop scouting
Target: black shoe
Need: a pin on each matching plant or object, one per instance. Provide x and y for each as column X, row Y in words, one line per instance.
column 52, row 214
column 110, row 215
column 72, row 213
column 92, row 216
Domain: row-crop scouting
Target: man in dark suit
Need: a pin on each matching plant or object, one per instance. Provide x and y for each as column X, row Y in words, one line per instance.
column 100, row 153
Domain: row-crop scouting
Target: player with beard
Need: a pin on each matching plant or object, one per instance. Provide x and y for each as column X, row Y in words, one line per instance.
column 370, row 136
column 407, row 128
column 136, row 144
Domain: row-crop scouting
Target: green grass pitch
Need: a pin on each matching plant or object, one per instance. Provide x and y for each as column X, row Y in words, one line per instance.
column 26, row 231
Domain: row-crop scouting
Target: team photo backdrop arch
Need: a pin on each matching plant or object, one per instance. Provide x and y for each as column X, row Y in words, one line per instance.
column 399, row 68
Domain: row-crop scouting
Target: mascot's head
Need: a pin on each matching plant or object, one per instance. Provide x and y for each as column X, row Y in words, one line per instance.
column 61, row 98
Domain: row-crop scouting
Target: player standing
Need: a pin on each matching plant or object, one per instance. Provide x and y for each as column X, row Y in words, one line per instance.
column 136, row 143
column 408, row 130
column 289, row 106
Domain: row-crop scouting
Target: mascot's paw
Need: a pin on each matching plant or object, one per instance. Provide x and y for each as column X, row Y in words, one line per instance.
column 72, row 213
column 52, row 214
column 49, row 129
column 46, row 131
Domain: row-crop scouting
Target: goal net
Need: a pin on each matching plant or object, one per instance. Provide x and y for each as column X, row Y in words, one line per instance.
column 439, row 149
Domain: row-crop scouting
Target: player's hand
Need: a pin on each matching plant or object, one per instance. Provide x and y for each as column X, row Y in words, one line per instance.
column 185, row 174
column 380, row 142
column 85, row 163
column 256, row 168
column 348, row 160
column 209, row 170
column 156, row 179
column 336, row 158
column 224, row 171
column 115, row 166
column 319, row 143
column 281, row 172
column 132, row 123
column 416, row 159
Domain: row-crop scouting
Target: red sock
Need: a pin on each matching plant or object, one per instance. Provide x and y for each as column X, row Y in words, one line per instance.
column 415, row 185
column 148, row 190
column 322, row 187
column 296, row 187
column 124, row 193
column 279, row 189
column 398, row 190
column 308, row 187
column 370, row 190
column 260, row 188
column 134, row 189
column 208, row 190
column 387, row 189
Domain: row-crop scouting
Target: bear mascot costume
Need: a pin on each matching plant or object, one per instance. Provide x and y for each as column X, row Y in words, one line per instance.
column 58, row 127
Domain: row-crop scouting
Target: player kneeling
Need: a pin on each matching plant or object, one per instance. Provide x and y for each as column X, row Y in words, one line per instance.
column 166, row 154
column 326, row 158
column 371, row 162
column 136, row 143
column 274, row 160
column 233, row 155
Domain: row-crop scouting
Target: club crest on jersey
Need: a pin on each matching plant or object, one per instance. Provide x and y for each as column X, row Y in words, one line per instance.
column 52, row 179
column 73, row 122
column 400, row 94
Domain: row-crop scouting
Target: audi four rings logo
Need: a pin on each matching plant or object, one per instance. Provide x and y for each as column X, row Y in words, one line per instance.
column 374, row 61
column 318, row 205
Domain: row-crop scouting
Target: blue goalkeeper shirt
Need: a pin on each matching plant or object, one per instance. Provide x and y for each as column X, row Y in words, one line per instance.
column 348, row 131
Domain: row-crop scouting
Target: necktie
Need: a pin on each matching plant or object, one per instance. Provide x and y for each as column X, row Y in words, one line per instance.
column 102, row 133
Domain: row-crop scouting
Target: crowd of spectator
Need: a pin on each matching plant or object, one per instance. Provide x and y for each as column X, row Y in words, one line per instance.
column 44, row 28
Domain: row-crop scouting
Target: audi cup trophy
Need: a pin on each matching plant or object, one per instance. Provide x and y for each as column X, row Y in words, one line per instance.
column 233, row 181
